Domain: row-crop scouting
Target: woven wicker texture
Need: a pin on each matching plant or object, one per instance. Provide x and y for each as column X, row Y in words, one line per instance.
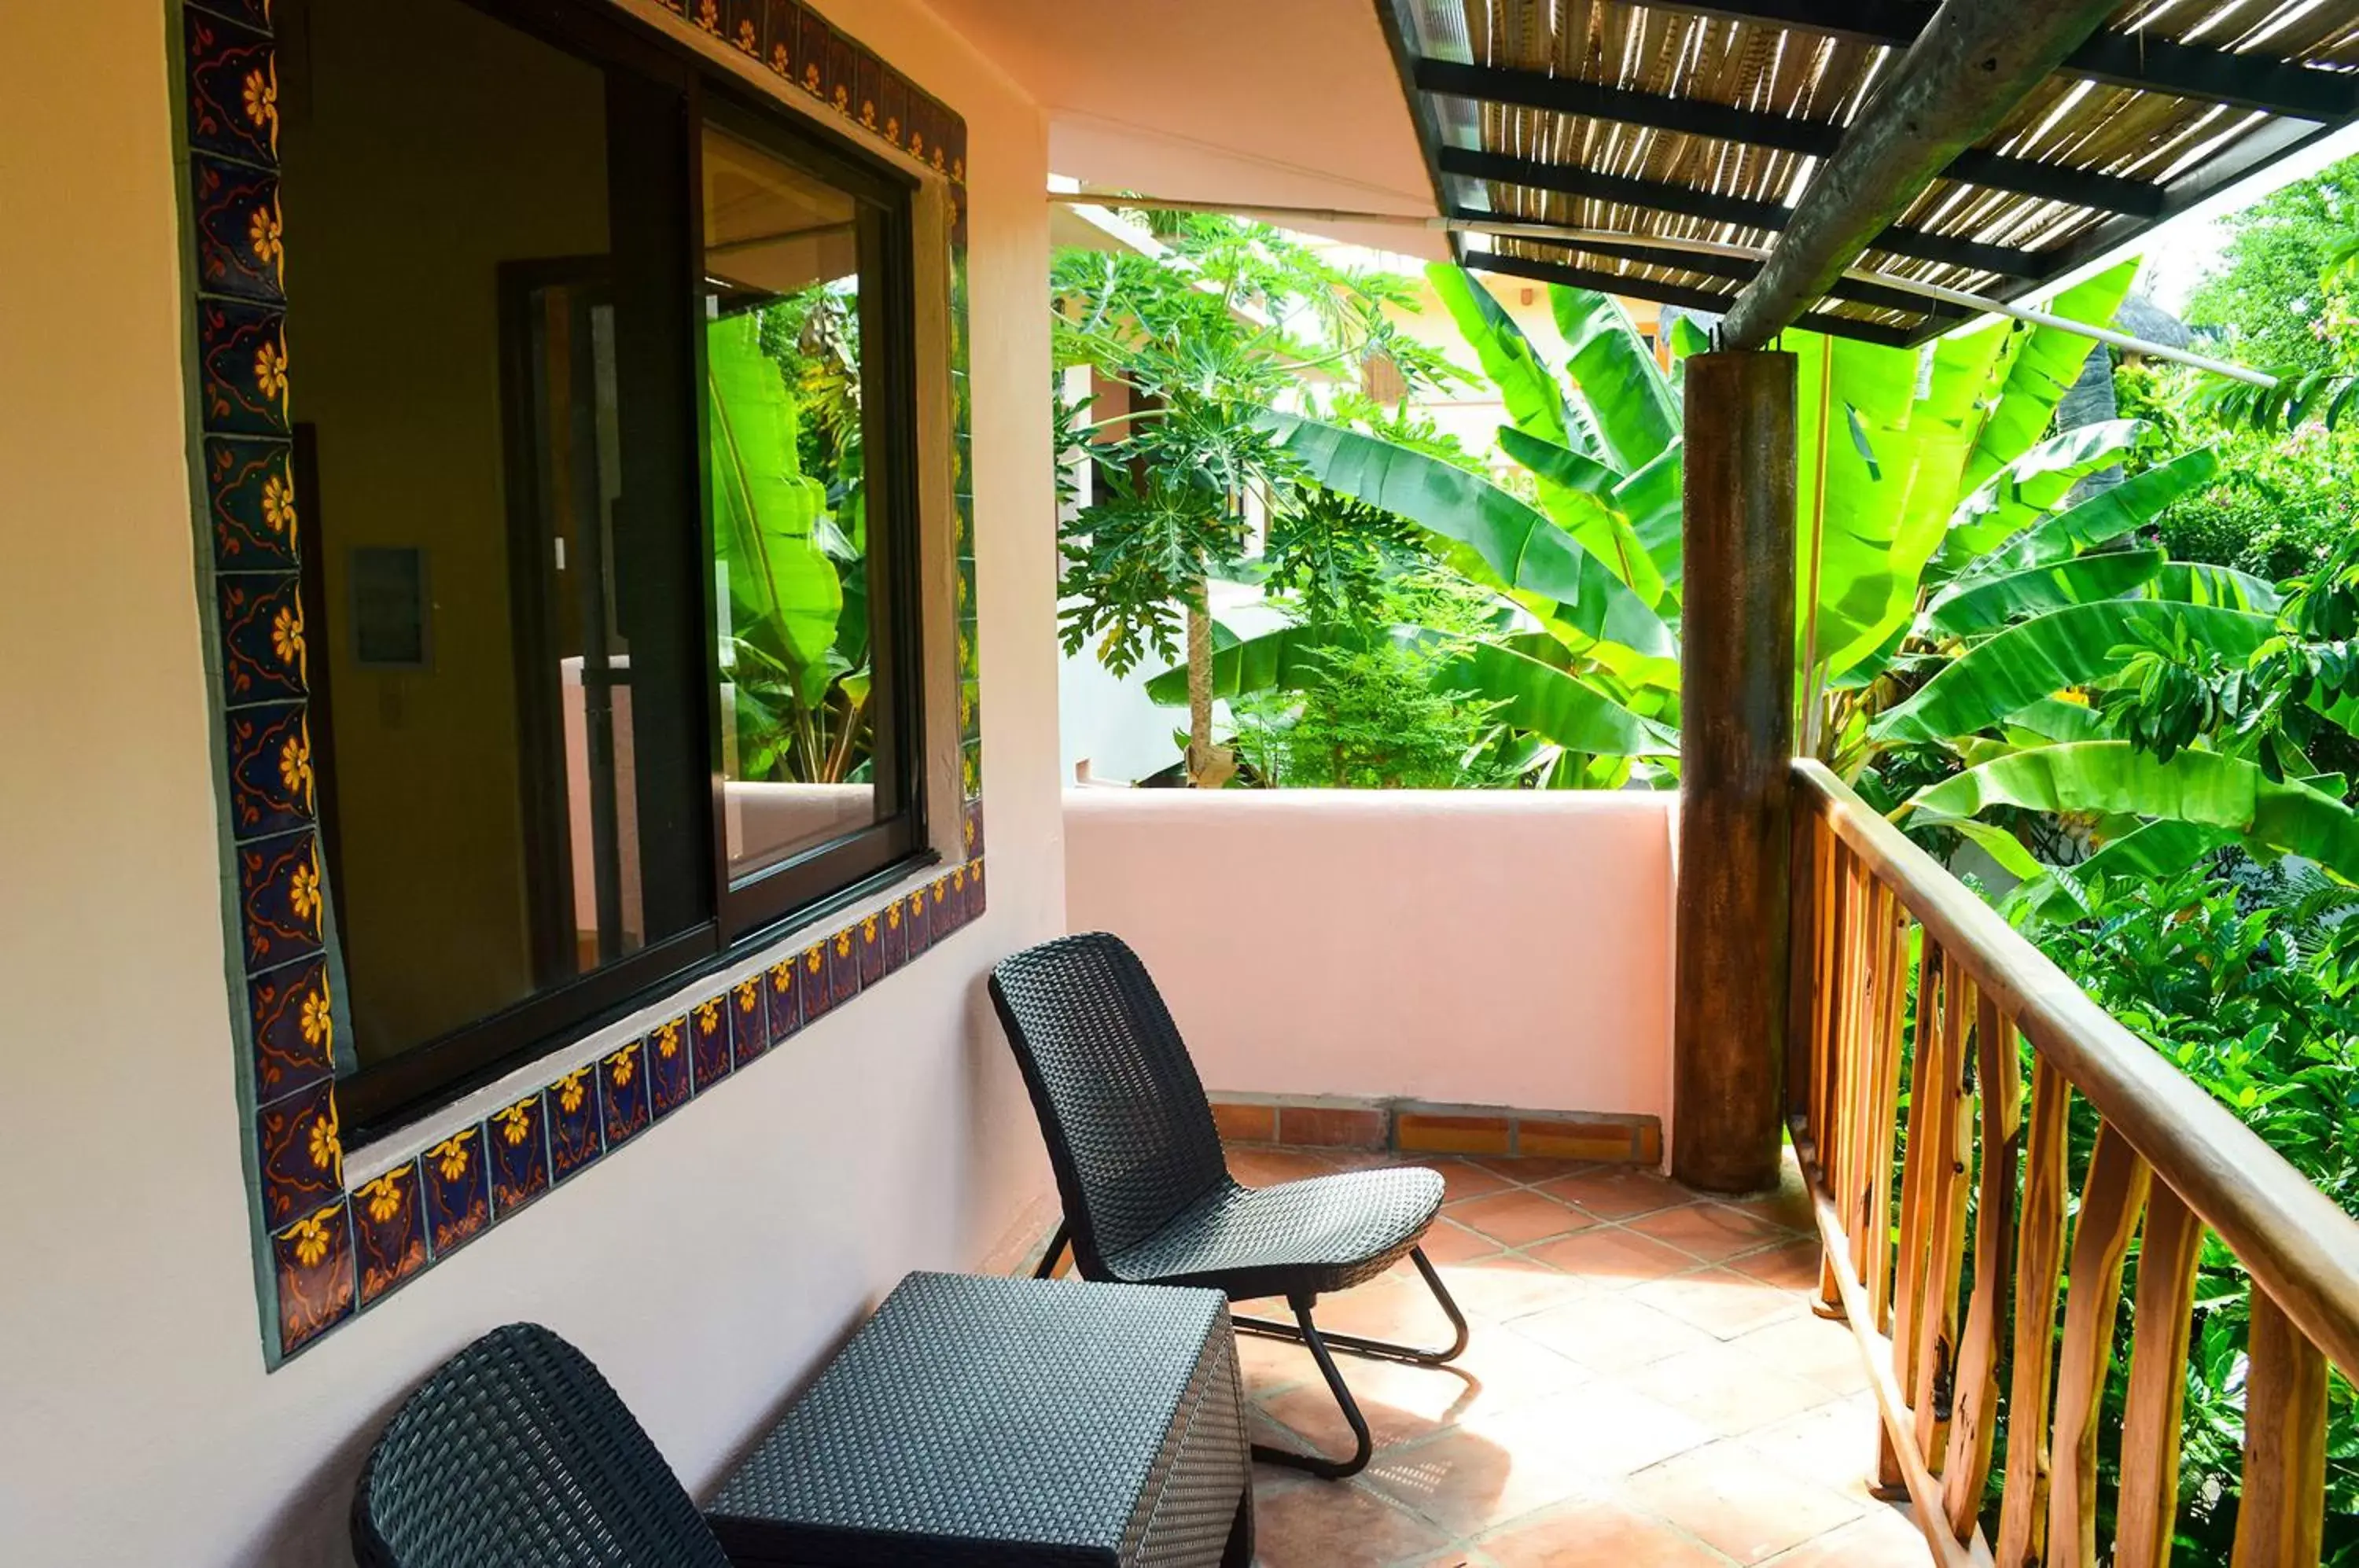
column 517, row 1454
column 979, row 1420
column 1147, row 1194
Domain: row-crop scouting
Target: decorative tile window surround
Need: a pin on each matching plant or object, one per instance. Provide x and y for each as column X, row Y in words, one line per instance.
column 332, row 1240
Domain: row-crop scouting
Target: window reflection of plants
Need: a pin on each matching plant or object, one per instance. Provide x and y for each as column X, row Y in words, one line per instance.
column 790, row 534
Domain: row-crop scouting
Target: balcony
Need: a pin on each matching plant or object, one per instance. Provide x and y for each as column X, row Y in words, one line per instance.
column 1818, row 1375
column 1646, row 1383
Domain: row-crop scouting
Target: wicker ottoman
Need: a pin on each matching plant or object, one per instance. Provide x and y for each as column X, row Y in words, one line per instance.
column 986, row 1420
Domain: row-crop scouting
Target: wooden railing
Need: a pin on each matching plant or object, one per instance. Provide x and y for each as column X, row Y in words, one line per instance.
column 2165, row 1154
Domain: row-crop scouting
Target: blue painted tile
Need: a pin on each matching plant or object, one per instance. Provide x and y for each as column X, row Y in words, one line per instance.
column 279, row 899
column 786, row 992
column 517, row 1139
column 920, row 919
column 573, row 1138
column 749, row 1020
column 782, row 32
column 974, row 898
column 897, row 935
column 843, row 967
column 242, row 369
column 708, row 1040
column 892, row 109
column 294, row 1029
column 810, row 58
column 872, row 949
column 974, row 828
column 741, row 24
column 264, row 657
column 241, row 250
column 842, row 75
column 867, row 86
column 941, row 909
column 389, row 1230
column 233, row 82
column 623, row 1092
column 668, row 1081
column 269, row 769
column 313, row 1259
column 458, row 1190
column 301, row 1152
column 250, row 490
column 819, row 997
column 706, row 14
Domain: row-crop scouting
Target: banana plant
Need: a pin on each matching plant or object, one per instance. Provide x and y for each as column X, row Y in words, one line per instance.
column 799, row 691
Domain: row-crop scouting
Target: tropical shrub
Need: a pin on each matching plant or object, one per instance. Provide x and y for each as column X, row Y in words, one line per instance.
column 2249, row 983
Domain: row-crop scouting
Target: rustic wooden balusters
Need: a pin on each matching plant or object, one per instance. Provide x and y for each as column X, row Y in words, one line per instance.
column 1978, row 1151
column 2280, row 1520
column 2167, row 1251
column 1974, row 1400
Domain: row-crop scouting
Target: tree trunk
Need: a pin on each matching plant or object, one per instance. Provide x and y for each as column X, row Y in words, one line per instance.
column 1208, row 767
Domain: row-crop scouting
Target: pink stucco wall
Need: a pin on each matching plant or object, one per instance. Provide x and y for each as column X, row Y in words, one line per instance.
column 1486, row 947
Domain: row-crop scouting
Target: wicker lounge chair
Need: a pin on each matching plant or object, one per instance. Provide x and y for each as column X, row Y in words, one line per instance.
column 518, row 1451
column 1148, row 1194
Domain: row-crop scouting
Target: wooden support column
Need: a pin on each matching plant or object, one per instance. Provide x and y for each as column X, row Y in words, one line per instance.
column 1736, row 729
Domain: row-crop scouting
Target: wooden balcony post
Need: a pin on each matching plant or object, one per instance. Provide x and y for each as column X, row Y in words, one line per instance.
column 1736, row 708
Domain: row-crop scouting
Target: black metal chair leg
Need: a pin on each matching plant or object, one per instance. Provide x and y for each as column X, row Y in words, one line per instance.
column 1056, row 1252
column 1364, row 1446
column 1382, row 1349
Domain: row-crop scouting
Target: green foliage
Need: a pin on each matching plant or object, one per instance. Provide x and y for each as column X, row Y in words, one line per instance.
column 2269, row 300
column 789, row 538
column 1207, row 337
column 2251, row 987
column 1374, row 717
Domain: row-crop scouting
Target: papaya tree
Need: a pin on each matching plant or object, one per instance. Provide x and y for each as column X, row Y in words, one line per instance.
column 1222, row 325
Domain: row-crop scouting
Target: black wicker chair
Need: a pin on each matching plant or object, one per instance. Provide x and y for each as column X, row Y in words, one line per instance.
column 1148, row 1194
column 518, row 1453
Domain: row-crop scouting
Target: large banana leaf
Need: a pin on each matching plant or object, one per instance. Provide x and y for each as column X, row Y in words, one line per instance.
column 2200, row 582
column 1985, row 604
column 1521, row 547
column 1551, row 703
column 1281, row 660
column 2106, row 515
column 1535, row 402
column 2053, row 719
column 2062, row 648
column 1618, row 376
column 1536, row 693
column 1572, row 491
column 2040, row 364
column 1650, row 499
column 2201, row 788
column 1875, row 482
column 766, row 513
column 2034, row 482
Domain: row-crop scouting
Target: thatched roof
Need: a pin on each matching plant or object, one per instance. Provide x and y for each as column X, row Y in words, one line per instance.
column 1648, row 124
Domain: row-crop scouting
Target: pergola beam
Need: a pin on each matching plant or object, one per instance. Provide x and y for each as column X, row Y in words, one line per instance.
column 1687, row 200
column 2118, row 59
column 1971, row 64
column 1739, row 269
column 1685, row 297
column 1781, row 133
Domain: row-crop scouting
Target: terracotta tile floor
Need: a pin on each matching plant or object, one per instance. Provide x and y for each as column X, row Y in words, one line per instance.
column 1646, row 1387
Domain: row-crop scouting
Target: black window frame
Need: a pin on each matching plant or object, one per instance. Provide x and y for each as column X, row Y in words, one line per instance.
column 755, row 910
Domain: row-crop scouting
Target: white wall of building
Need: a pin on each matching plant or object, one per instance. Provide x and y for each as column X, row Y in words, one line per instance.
column 705, row 1266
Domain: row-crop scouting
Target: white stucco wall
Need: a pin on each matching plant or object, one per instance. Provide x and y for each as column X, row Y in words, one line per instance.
column 1468, row 947
column 705, row 1266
